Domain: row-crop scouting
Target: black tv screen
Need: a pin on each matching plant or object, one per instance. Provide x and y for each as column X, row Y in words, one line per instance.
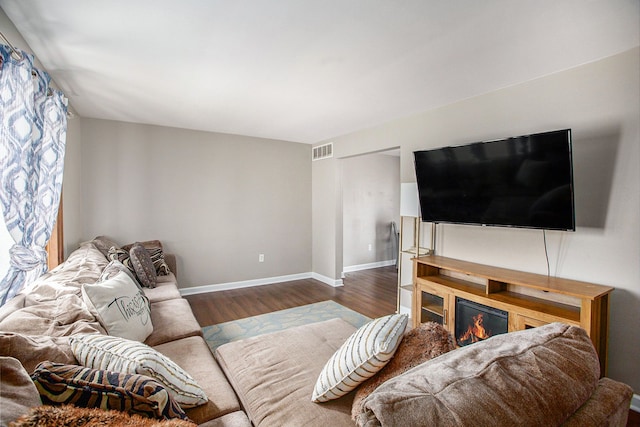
column 525, row 181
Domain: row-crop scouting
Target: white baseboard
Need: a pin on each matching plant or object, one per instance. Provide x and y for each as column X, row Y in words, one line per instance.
column 635, row 403
column 336, row 283
column 258, row 282
column 243, row 284
column 370, row 265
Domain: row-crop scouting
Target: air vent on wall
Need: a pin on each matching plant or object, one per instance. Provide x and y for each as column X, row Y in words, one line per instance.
column 322, row 151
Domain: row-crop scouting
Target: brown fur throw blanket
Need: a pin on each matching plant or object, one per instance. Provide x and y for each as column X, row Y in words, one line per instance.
column 418, row 345
column 68, row 415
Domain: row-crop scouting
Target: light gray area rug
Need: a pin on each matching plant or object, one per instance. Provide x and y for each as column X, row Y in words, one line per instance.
column 235, row 330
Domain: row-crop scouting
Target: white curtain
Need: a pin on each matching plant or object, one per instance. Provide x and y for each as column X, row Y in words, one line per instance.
column 32, row 140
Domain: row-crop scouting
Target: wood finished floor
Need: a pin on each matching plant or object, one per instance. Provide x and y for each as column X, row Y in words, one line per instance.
column 369, row 292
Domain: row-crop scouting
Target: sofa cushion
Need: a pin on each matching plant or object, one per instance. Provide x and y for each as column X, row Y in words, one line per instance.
column 131, row 357
column 165, row 289
column 172, row 320
column 92, row 388
column 194, row 356
column 31, row 350
column 142, row 265
column 120, row 306
column 534, row 377
column 360, row 357
column 234, row 419
column 426, row 341
column 17, row 391
column 608, row 406
column 276, row 373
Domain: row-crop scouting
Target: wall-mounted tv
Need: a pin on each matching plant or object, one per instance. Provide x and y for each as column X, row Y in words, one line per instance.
column 524, row 181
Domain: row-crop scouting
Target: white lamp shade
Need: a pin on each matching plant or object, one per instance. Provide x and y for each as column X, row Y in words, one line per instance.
column 409, row 205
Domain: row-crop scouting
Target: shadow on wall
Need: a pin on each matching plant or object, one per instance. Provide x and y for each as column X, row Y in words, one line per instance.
column 594, row 161
column 623, row 364
column 384, row 233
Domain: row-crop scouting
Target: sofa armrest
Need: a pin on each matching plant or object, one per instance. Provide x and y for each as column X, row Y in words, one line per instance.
column 608, row 406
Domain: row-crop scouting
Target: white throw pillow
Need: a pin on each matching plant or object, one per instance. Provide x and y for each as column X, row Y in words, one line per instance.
column 365, row 352
column 130, row 357
column 120, row 306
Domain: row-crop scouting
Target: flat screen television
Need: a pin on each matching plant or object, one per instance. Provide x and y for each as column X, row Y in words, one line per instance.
column 524, row 181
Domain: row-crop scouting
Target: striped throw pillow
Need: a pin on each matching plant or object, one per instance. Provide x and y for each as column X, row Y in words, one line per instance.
column 60, row 384
column 132, row 357
column 360, row 357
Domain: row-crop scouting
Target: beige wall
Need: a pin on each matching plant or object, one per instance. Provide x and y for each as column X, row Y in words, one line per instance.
column 72, row 187
column 215, row 200
column 601, row 103
column 370, row 202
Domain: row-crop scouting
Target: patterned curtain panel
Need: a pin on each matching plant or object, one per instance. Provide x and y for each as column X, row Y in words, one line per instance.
column 32, row 140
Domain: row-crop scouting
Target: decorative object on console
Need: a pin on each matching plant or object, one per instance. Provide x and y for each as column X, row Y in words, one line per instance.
column 93, row 388
column 120, row 306
column 126, row 356
column 365, row 352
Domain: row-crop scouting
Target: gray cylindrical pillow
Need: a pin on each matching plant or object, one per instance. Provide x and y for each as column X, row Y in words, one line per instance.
column 143, row 266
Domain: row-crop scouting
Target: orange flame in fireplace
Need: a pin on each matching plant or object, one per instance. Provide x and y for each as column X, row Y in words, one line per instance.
column 475, row 332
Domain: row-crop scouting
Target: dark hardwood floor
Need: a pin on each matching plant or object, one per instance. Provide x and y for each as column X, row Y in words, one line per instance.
column 634, row 419
column 369, row 292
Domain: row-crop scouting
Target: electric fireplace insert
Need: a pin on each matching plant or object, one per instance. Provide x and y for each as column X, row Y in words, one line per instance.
column 476, row 322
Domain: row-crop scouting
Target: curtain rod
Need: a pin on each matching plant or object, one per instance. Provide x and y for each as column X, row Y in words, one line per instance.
column 17, row 55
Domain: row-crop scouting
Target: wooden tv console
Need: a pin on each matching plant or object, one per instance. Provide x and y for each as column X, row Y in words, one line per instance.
column 530, row 299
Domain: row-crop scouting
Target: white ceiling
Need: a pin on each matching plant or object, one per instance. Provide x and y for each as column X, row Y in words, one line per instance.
column 306, row 70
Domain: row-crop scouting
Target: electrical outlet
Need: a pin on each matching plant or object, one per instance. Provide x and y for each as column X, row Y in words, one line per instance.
column 369, row 247
column 261, row 258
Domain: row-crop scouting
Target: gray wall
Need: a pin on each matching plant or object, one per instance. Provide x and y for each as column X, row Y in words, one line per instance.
column 215, row 200
column 370, row 201
column 599, row 101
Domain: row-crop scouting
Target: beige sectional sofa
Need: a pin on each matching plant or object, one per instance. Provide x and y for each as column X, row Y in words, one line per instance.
column 551, row 373
column 53, row 310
